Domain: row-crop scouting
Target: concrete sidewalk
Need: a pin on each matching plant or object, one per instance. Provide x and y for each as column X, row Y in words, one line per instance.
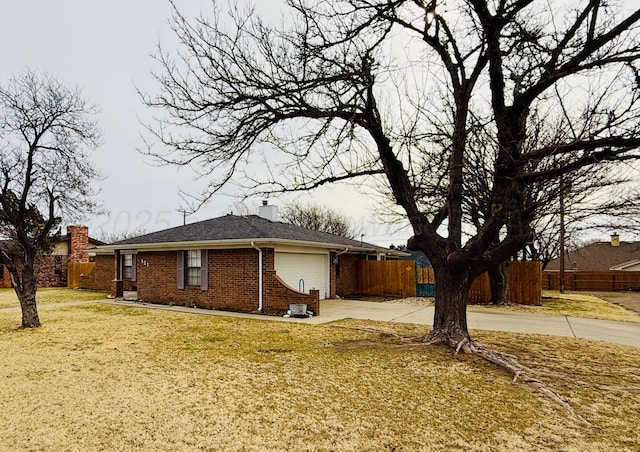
column 625, row 333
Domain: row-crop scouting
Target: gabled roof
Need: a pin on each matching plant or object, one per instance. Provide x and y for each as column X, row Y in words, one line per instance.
column 92, row 241
column 598, row 256
column 236, row 229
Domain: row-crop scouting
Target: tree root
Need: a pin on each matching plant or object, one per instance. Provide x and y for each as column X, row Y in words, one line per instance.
column 519, row 371
column 503, row 360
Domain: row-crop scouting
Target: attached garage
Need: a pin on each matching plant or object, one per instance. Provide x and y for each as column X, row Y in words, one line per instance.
column 307, row 270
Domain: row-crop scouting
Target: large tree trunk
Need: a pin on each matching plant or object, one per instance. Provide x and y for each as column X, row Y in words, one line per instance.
column 450, row 317
column 26, row 292
column 498, row 281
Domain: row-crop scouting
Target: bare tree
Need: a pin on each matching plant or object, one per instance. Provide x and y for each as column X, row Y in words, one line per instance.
column 317, row 218
column 362, row 89
column 45, row 130
column 116, row 236
column 593, row 198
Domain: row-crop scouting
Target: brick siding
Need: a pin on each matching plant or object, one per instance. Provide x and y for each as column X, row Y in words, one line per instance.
column 51, row 271
column 101, row 276
column 278, row 296
column 5, row 278
column 232, row 282
column 346, row 281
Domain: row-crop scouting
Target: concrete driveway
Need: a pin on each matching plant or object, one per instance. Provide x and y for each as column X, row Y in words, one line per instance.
column 624, row 333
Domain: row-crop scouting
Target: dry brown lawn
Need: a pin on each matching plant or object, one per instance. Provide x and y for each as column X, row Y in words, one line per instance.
column 569, row 304
column 104, row 377
column 51, row 295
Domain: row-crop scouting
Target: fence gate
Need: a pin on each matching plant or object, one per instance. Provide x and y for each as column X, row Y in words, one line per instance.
column 76, row 270
column 425, row 278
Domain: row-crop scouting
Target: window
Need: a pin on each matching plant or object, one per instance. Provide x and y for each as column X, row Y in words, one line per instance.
column 193, row 269
column 192, row 266
column 127, row 266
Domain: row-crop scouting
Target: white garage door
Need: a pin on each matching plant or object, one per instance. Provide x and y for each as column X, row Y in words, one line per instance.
column 313, row 269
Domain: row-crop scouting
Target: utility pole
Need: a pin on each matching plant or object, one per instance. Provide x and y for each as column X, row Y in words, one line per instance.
column 184, row 213
column 562, row 232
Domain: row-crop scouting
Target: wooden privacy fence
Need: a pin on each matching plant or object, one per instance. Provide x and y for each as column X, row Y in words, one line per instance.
column 524, row 285
column 425, row 275
column 397, row 278
column 76, row 269
column 601, row 281
column 480, row 291
column 525, row 282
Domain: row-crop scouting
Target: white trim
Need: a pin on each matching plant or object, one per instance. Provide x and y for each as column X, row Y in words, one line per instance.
column 230, row 244
column 622, row 266
column 299, row 250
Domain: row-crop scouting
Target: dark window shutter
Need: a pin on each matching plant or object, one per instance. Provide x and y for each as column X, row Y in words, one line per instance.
column 134, row 265
column 180, row 269
column 204, row 270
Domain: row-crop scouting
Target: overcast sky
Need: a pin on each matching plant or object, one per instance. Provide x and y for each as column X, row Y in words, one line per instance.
column 104, row 48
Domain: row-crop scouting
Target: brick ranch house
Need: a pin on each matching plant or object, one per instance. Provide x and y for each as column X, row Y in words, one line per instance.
column 51, row 270
column 237, row 263
column 613, row 255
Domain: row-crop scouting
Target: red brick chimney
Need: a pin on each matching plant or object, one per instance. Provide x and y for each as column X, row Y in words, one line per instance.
column 78, row 243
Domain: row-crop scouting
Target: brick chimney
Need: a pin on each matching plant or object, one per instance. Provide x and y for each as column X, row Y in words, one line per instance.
column 78, row 243
column 615, row 239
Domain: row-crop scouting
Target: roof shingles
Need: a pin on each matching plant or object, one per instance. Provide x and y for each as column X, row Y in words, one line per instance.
column 598, row 256
column 233, row 227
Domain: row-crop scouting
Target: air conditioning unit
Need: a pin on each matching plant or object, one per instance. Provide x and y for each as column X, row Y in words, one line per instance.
column 298, row 310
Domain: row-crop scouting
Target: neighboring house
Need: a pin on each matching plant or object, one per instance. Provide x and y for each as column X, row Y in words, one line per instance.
column 601, row 256
column 51, row 270
column 418, row 256
column 239, row 263
column 11, row 248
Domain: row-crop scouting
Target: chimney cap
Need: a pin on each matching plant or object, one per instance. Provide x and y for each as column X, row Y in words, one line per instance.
column 265, row 202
